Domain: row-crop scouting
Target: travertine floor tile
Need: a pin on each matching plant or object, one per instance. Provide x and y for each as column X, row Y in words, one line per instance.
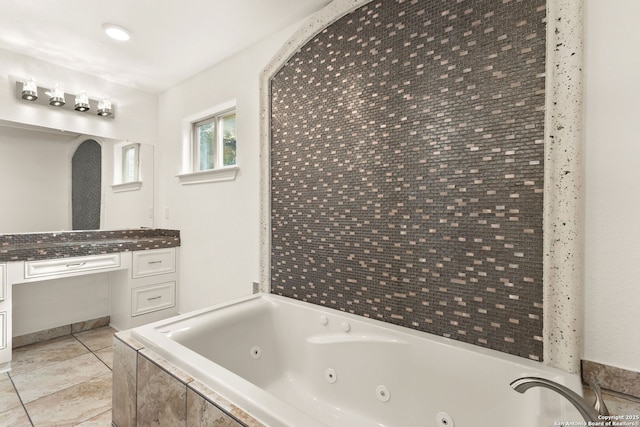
column 35, row 356
column 106, row 355
column 102, row 420
column 97, row 339
column 15, row 417
column 73, row 405
column 53, row 378
column 8, row 397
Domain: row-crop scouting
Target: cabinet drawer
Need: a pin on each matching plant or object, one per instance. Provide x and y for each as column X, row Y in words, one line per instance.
column 3, row 330
column 153, row 298
column 154, row 261
column 3, row 282
column 62, row 266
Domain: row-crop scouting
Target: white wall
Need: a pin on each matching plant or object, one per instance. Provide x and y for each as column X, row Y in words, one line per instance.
column 34, row 177
column 218, row 222
column 129, row 209
column 612, row 124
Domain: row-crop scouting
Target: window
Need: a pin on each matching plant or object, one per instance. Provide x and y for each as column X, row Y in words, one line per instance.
column 130, row 155
column 209, row 145
column 214, row 140
column 126, row 167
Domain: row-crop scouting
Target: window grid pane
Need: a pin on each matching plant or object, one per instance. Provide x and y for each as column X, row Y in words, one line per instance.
column 206, row 145
column 214, row 141
column 228, row 127
column 130, row 165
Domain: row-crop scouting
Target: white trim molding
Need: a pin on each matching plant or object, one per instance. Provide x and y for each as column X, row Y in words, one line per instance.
column 126, row 186
column 227, row 173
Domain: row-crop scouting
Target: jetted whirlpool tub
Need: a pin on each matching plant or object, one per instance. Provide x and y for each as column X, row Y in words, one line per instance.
column 294, row 364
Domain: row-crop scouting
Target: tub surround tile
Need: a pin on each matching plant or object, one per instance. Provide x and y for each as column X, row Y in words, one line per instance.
column 201, row 413
column 58, row 376
column 8, row 397
column 73, row 405
column 612, row 378
column 148, row 390
column 36, row 356
column 616, row 403
column 166, row 365
column 125, row 367
column 223, row 404
column 161, row 397
column 126, row 338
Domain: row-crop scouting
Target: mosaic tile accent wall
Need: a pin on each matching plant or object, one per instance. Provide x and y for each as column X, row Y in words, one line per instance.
column 407, row 169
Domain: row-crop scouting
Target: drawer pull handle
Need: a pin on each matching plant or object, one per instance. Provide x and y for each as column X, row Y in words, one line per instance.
column 155, row 262
column 76, row 264
column 154, row 298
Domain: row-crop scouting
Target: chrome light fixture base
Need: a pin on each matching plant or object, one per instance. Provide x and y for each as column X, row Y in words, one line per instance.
column 30, row 90
column 57, row 96
column 56, row 101
column 27, row 91
column 82, row 102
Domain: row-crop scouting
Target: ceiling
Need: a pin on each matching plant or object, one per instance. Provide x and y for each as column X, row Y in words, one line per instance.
column 170, row 41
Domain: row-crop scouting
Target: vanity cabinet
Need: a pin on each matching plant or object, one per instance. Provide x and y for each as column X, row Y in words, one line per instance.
column 143, row 286
column 5, row 319
column 147, row 291
column 63, row 267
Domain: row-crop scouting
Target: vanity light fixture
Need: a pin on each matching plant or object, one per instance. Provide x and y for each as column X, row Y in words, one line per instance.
column 30, row 90
column 82, row 102
column 116, row 32
column 104, row 107
column 57, row 96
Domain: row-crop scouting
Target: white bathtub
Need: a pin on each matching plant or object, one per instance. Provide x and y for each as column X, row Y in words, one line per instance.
column 295, row 364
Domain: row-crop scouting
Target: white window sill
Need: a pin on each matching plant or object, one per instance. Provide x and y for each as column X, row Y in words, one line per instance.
column 227, row 173
column 127, row 186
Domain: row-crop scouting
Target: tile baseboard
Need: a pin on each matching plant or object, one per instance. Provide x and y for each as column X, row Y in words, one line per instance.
column 612, row 378
column 60, row 331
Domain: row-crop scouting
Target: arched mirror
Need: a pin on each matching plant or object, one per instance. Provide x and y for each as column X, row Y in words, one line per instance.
column 86, row 186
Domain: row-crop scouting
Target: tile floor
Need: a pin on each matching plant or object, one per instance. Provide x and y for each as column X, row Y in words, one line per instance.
column 65, row 381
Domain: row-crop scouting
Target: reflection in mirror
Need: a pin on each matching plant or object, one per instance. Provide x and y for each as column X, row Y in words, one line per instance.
column 86, row 186
column 130, row 162
column 36, row 179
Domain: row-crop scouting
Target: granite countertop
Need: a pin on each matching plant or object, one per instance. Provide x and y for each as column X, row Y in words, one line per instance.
column 65, row 244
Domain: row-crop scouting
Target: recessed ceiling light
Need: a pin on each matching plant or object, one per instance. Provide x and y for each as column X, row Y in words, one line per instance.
column 116, row 32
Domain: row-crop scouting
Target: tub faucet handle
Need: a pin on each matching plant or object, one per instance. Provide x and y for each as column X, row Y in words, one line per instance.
column 580, row 403
column 599, row 403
